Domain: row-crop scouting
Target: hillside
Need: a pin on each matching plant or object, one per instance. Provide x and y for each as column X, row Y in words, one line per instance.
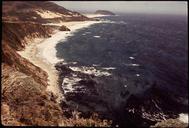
column 38, row 11
column 25, row 99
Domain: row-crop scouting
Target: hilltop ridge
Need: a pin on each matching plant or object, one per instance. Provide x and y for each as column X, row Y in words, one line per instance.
column 38, row 11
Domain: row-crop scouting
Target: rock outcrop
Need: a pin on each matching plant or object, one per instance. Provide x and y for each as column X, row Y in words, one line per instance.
column 64, row 28
column 86, row 91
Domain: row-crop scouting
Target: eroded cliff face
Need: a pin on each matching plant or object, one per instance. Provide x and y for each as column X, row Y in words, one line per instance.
column 24, row 97
column 15, row 37
column 18, row 34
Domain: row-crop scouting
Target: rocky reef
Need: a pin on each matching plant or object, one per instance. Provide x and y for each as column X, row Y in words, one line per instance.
column 90, row 93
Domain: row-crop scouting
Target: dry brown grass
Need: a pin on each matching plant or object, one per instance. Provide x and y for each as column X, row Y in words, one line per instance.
column 26, row 102
column 93, row 121
column 170, row 123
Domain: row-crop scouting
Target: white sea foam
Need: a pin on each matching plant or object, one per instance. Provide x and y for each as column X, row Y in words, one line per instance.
column 132, row 65
column 95, row 65
column 47, row 49
column 74, row 62
column 109, row 21
column 113, row 22
column 135, row 64
column 122, row 22
column 109, row 68
column 96, row 36
column 131, row 58
column 183, row 117
column 90, row 70
column 68, row 83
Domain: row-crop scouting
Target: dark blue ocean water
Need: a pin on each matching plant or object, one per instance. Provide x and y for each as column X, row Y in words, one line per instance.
column 157, row 45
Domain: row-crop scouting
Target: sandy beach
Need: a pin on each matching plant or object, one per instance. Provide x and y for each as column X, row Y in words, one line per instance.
column 42, row 53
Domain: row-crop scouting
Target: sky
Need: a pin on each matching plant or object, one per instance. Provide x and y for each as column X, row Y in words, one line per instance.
column 160, row 7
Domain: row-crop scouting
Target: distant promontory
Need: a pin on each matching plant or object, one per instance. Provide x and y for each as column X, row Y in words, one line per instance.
column 104, row 12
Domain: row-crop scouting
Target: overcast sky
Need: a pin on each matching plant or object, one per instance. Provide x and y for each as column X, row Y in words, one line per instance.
column 168, row 7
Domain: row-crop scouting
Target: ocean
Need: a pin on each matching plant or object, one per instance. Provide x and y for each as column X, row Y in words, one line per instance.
column 125, row 59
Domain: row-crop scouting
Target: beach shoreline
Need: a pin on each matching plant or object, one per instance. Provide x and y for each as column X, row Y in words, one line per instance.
column 42, row 53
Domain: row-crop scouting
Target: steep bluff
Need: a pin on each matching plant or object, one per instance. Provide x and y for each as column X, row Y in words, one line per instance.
column 24, row 97
column 15, row 37
column 18, row 34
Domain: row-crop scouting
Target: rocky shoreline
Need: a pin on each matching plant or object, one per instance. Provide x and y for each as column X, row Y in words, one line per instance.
column 42, row 90
column 82, row 92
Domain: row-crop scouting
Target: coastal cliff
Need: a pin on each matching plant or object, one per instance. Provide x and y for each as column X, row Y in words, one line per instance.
column 18, row 34
column 25, row 99
column 24, row 96
column 28, row 96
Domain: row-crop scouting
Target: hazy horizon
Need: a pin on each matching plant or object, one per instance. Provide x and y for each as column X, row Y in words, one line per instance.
column 150, row 7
